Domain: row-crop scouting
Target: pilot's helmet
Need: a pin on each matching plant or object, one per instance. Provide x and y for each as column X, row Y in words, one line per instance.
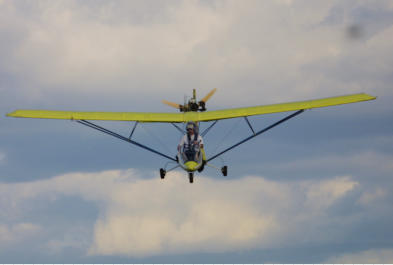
column 192, row 125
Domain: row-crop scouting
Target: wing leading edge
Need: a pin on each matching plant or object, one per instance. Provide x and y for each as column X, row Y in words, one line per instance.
column 191, row 116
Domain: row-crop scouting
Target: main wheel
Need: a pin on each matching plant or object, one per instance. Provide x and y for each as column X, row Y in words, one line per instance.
column 224, row 170
column 162, row 173
column 191, row 177
column 202, row 167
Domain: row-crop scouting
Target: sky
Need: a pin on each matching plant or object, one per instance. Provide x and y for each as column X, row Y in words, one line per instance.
column 316, row 189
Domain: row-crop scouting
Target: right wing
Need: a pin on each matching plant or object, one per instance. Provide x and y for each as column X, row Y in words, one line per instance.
column 283, row 107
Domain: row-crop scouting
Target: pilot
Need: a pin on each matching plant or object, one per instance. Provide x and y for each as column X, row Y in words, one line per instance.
column 192, row 141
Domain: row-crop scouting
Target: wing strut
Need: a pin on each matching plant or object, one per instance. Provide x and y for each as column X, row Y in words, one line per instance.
column 256, row 134
column 133, row 130
column 101, row 129
column 178, row 128
column 206, row 131
column 249, row 124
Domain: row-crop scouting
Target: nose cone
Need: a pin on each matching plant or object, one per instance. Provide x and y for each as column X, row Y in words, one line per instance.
column 191, row 165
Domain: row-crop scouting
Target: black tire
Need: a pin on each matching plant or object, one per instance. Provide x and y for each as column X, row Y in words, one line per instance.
column 202, row 167
column 162, row 173
column 191, row 177
column 224, row 170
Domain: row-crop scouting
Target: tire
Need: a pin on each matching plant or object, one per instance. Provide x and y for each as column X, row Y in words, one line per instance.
column 224, row 171
column 162, row 173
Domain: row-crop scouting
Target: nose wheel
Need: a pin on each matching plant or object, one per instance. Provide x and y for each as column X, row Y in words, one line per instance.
column 191, row 177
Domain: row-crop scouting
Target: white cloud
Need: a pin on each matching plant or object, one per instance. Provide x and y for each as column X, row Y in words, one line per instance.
column 275, row 51
column 143, row 217
column 322, row 195
column 373, row 256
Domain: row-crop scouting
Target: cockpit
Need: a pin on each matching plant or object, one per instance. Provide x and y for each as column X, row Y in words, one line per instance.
column 190, row 158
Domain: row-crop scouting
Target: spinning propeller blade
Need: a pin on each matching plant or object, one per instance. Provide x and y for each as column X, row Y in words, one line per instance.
column 192, row 104
column 206, row 98
column 175, row 105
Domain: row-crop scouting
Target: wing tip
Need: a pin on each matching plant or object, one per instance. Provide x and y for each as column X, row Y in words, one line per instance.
column 11, row 114
column 369, row 97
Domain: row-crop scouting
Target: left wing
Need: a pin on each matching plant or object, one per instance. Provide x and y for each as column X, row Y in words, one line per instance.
column 108, row 116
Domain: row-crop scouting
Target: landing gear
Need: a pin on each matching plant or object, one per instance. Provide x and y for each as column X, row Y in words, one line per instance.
column 224, row 171
column 191, row 177
column 202, row 167
column 162, row 173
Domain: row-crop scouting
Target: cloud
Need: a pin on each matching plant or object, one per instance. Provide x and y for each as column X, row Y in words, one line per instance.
column 141, row 217
column 17, row 233
column 365, row 161
column 373, row 256
column 90, row 47
column 255, row 48
column 370, row 197
column 2, row 157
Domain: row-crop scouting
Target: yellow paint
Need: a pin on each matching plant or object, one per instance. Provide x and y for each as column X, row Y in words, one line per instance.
column 191, row 165
column 283, row 107
column 203, row 154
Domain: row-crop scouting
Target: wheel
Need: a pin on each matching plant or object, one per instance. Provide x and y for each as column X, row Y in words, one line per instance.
column 191, row 177
column 224, row 170
column 162, row 173
column 202, row 167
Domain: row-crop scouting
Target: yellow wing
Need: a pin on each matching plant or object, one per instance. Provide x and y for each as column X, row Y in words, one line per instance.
column 191, row 116
column 283, row 107
column 108, row 116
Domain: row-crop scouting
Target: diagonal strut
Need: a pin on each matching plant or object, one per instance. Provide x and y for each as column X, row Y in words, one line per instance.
column 256, row 134
column 101, row 129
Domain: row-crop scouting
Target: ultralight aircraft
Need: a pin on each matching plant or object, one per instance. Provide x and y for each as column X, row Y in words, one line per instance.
column 195, row 112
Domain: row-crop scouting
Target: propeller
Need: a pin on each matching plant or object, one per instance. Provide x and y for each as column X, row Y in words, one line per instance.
column 202, row 103
column 209, row 95
column 175, row 105
column 192, row 105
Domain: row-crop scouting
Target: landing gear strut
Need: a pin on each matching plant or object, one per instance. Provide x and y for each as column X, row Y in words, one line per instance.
column 202, row 167
column 224, row 171
column 191, row 177
column 162, row 173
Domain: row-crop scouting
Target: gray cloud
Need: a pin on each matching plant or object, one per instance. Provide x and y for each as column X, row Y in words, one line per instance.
column 17, row 233
column 2, row 157
column 375, row 256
